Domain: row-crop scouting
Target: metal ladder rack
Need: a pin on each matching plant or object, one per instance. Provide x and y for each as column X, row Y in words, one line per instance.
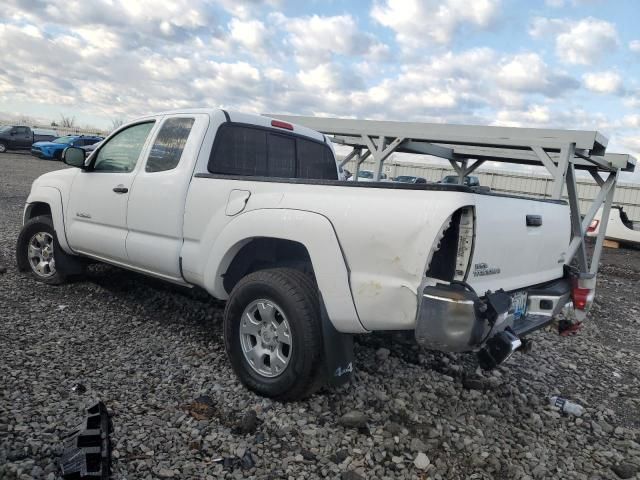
column 466, row 147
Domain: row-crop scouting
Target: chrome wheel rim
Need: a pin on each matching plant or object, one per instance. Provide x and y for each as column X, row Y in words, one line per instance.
column 3, row 148
column 40, row 253
column 265, row 338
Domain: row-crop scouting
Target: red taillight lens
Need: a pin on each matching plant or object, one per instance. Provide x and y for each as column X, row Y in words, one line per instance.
column 279, row 124
column 580, row 297
column 593, row 226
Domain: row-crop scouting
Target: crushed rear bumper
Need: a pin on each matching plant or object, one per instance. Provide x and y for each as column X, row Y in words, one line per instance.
column 454, row 318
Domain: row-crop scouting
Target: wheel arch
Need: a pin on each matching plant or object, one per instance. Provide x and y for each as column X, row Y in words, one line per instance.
column 299, row 236
column 48, row 201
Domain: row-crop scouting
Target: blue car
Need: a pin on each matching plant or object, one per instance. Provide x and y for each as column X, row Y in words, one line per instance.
column 53, row 150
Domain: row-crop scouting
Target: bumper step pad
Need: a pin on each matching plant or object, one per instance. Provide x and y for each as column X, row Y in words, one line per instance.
column 87, row 449
column 530, row 323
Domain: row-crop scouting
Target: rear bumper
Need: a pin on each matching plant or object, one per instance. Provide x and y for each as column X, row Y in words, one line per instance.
column 452, row 318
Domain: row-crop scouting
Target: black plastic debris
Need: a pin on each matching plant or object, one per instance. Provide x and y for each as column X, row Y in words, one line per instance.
column 231, row 463
column 87, row 449
column 79, row 388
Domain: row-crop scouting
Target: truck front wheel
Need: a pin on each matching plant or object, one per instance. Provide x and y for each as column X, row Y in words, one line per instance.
column 38, row 252
column 273, row 335
column 3, row 147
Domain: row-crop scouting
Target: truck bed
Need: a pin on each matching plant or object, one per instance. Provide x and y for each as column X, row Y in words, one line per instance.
column 384, row 227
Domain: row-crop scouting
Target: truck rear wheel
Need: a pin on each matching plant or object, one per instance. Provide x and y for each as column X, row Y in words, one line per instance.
column 38, row 252
column 273, row 335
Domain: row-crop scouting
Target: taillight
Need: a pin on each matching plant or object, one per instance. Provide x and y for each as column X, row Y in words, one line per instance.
column 582, row 297
column 279, row 124
column 593, row 226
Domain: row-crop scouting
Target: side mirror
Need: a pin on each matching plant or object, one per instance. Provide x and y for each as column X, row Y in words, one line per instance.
column 74, row 156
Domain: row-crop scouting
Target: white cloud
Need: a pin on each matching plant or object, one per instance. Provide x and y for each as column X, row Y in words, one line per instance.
column 535, row 115
column 417, row 22
column 527, row 72
column 634, row 46
column 631, row 121
column 604, row 82
column 249, row 33
column 543, row 27
column 587, row 41
column 316, row 39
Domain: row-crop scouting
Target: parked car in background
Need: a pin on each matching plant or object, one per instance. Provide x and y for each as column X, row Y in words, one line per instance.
column 15, row 137
column 367, row 176
column 53, row 150
column 469, row 181
column 619, row 228
column 409, row 179
column 90, row 148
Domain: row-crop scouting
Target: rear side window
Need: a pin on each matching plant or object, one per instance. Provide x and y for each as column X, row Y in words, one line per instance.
column 250, row 151
column 167, row 149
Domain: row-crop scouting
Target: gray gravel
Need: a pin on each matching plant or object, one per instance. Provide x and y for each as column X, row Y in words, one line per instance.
column 154, row 354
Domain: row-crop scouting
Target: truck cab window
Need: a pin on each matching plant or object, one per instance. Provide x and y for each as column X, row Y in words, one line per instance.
column 281, row 156
column 169, row 144
column 120, row 153
column 315, row 160
column 260, row 152
column 240, row 151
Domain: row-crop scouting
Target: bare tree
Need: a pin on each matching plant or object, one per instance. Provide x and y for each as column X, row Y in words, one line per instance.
column 116, row 123
column 25, row 120
column 67, row 122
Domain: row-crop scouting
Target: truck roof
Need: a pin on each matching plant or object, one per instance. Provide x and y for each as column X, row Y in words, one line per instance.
column 253, row 119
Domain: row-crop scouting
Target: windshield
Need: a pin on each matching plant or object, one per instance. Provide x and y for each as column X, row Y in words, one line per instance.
column 67, row 139
column 5, row 129
column 450, row 179
column 365, row 174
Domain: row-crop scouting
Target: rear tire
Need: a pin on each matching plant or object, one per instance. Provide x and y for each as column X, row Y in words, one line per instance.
column 38, row 251
column 273, row 335
column 3, row 147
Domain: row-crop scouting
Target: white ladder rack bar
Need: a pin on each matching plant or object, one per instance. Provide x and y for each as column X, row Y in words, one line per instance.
column 561, row 152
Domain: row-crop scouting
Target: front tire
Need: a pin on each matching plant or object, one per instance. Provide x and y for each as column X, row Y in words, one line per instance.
column 3, row 147
column 273, row 335
column 38, row 251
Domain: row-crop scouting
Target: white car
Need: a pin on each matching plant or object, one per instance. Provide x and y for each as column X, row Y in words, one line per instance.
column 252, row 210
column 619, row 227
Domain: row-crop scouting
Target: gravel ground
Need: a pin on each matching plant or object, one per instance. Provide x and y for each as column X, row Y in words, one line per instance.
column 154, row 354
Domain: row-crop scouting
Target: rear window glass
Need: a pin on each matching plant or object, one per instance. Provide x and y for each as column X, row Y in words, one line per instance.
column 315, row 160
column 250, row 151
column 281, row 156
column 240, row 151
column 169, row 144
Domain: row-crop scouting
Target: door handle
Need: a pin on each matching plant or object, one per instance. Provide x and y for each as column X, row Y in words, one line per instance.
column 120, row 189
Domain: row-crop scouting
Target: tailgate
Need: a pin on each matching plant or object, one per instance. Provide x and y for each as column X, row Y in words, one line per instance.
column 519, row 242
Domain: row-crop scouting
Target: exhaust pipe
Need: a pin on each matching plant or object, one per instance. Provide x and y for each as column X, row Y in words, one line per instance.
column 498, row 349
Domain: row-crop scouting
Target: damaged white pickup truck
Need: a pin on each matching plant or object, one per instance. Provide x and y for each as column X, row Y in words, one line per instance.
column 252, row 209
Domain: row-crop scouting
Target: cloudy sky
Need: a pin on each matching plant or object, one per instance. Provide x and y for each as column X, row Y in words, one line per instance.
column 556, row 63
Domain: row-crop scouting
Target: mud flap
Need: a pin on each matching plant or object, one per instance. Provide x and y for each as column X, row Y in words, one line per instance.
column 338, row 351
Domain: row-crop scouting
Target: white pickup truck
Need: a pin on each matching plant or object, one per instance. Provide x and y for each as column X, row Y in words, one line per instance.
column 253, row 210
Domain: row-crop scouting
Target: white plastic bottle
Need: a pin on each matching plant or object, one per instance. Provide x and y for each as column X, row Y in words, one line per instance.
column 566, row 406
